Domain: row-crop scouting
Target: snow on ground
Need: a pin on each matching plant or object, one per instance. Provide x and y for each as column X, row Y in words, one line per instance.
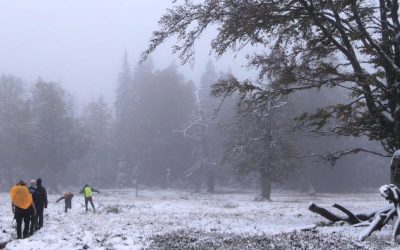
column 124, row 221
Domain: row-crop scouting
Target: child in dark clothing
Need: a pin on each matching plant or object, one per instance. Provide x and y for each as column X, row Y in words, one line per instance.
column 34, row 193
column 68, row 200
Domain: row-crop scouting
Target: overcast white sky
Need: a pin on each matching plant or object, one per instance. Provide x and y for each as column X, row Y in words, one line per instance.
column 80, row 43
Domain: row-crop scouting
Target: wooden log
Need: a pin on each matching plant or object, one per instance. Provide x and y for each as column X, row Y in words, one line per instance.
column 396, row 227
column 352, row 218
column 377, row 222
column 325, row 213
column 334, row 217
column 370, row 215
column 362, row 224
column 390, row 214
column 379, row 218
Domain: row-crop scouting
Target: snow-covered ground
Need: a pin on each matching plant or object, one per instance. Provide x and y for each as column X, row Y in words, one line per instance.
column 124, row 221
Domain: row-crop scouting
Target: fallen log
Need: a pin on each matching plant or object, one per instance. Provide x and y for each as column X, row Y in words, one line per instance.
column 352, row 218
column 325, row 213
column 375, row 220
column 376, row 224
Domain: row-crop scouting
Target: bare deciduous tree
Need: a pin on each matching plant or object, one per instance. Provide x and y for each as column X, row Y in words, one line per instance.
column 309, row 44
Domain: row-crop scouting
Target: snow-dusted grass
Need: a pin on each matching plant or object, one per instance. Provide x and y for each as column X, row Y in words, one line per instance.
column 124, row 221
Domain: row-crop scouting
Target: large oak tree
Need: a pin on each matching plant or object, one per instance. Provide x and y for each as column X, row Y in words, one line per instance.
column 306, row 44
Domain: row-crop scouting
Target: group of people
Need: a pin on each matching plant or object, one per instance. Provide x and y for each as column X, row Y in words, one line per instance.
column 28, row 204
column 87, row 192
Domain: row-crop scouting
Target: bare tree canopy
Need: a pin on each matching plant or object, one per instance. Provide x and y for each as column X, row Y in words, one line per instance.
column 350, row 44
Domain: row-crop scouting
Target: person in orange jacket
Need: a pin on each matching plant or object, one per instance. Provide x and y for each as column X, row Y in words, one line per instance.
column 68, row 200
column 23, row 207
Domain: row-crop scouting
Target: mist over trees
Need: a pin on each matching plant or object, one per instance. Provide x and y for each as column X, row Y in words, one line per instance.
column 306, row 45
column 163, row 130
column 98, row 163
column 309, row 46
column 204, row 129
column 57, row 135
column 40, row 135
column 157, row 104
column 14, row 127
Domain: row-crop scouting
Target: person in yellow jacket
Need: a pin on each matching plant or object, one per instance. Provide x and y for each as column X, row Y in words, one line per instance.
column 87, row 192
column 23, row 207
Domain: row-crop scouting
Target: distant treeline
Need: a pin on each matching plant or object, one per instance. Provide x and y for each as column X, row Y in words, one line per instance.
column 162, row 131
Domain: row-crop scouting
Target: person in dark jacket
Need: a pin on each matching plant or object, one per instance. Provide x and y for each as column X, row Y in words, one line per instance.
column 87, row 192
column 42, row 203
column 68, row 200
column 34, row 193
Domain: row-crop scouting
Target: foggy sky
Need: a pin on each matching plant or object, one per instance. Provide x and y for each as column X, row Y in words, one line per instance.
column 80, row 43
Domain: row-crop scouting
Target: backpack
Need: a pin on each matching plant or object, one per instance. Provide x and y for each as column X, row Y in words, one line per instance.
column 21, row 197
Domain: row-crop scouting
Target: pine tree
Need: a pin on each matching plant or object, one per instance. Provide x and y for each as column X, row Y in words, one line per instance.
column 58, row 137
column 124, row 92
column 123, row 118
column 164, row 103
column 14, row 129
column 99, row 162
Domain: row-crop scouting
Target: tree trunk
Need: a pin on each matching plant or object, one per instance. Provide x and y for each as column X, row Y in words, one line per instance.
column 265, row 180
column 210, row 181
column 395, row 172
column 396, row 128
column 306, row 184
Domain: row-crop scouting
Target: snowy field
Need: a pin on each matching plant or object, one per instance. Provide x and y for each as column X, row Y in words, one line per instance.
column 176, row 219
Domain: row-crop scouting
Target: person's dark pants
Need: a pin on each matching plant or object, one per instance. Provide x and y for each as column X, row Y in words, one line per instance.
column 22, row 215
column 87, row 200
column 33, row 221
column 68, row 204
column 39, row 217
